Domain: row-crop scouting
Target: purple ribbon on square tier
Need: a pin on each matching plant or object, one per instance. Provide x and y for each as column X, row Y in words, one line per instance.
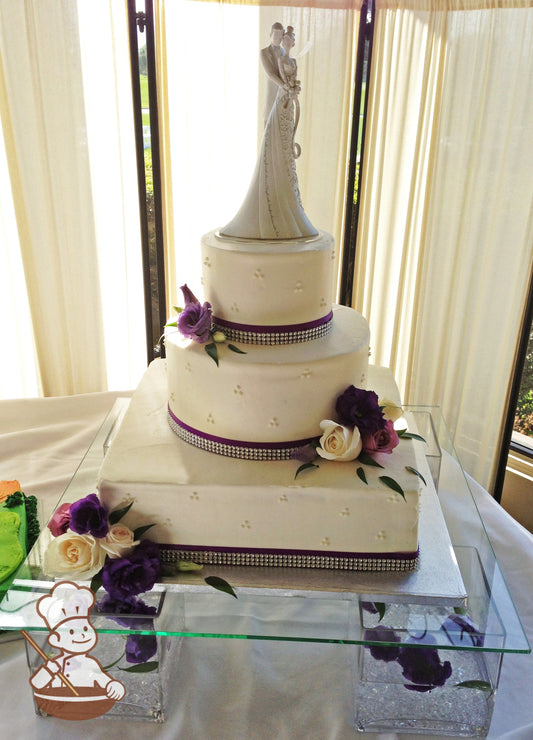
column 376, row 561
column 287, row 334
column 234, row 448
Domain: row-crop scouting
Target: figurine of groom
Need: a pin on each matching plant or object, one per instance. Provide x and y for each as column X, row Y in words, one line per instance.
column 270, row 57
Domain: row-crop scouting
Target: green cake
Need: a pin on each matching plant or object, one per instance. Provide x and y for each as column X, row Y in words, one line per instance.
column 19, row 528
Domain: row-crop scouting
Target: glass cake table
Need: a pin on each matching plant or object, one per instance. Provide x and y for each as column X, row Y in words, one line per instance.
column 427, row 645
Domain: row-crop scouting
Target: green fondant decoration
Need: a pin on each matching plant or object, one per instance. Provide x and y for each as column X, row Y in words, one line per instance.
column 11, row 551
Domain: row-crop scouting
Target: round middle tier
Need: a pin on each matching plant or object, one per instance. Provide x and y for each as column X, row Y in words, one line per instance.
column 272, row 397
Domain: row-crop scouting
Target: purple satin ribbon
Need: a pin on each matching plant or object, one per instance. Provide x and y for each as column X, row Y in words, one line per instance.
column 240, row 443
column 259, row 329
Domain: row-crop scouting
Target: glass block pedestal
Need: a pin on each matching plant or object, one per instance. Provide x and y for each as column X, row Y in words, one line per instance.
column 384, row 704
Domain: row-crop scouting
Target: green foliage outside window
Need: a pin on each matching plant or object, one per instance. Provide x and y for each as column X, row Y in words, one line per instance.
column 524, row 410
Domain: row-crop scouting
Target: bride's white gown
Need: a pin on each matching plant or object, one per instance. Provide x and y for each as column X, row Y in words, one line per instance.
column 273, row 208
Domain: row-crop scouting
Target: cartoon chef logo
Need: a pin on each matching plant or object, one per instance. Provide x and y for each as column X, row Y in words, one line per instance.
column 72, row 684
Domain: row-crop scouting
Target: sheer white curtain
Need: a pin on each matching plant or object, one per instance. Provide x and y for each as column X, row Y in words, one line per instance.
column 446, row 225
column 77, row 320
column 211, row 97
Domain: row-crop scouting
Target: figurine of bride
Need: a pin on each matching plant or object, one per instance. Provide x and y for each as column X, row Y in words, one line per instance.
column 273, row 207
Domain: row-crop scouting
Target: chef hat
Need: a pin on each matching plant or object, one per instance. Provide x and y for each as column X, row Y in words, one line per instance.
column 65, row 601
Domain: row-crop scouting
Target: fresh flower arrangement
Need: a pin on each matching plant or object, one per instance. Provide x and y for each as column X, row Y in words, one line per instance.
column 91, row 543
column 195, row 322
column 365, row 427
column 422, row 667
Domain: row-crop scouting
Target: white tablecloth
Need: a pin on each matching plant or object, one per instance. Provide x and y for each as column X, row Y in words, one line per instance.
column 231, row 689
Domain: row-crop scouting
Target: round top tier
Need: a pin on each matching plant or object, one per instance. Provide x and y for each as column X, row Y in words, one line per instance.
column 269, row 292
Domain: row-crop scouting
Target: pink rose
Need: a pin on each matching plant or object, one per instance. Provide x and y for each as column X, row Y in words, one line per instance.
column 384, row 440
column 119, row 541
column 60, row 520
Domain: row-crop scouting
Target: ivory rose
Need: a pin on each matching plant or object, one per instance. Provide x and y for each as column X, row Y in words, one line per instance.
column 119, row 541
column 391, row 410
column 339, row 442
column 74, row 555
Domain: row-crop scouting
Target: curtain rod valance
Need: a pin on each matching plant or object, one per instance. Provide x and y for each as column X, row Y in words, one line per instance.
column 451, row 5
column 320, row 4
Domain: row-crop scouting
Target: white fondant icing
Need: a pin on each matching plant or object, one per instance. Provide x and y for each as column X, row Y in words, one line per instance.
column 277, row 405
column 277, row 297
column 209, row 496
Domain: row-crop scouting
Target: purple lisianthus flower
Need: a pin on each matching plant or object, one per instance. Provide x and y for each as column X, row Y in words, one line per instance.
column 388, row 653
column 194, row 322
column 140, row 648
column 133, row 574
column 136, row 607
column 305, row 454
column 461, row 630
column 188, row 295
column 360, row 408
column 88, row 516
column 423, row 668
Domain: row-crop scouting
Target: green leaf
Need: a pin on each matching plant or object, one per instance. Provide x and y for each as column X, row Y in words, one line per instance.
column 404, row 434
column 460, row 610
column 117, row 515
column 220, row 584
column 141, row 530
column 108, row 667
column 233, row 348
column 185, row 566
column 169, row 570
column 305, row 466
column 391, row 483
column 151, row 665
column 479, row 685
column 212, row 351
column 382, row 608
column 96, row 582
column 172, row 323
column 416, row 472
column 361, row 473
column 367, row 459
column 177, row 309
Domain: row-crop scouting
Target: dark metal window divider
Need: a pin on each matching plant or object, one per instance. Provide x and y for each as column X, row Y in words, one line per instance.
column 506, row 442
column 154, row 317
column 351, row 219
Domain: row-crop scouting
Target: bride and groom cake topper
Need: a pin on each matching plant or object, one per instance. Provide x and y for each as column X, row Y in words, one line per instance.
column 272, row 60
column 273, row 207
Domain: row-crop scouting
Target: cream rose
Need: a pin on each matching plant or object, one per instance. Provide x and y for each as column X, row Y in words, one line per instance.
column 339, row 442
column 75, row 555
column 119, row 541
column 391, row 411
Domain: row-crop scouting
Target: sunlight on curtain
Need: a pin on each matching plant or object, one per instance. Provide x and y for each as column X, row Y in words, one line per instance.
column 18, row 376
column 446, row 222
column 111, row 151
column 212, row 90
column 71, row 164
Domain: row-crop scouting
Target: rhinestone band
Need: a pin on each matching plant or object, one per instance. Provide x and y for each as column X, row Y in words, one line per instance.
column 290, row 337
column 241, row 450
column 275, row 334
column 289, row 560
